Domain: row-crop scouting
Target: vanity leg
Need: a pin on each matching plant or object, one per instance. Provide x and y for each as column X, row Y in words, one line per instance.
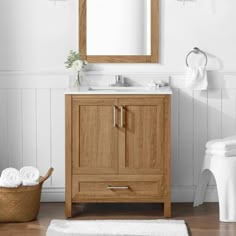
column 167, row 209
column 68, row 209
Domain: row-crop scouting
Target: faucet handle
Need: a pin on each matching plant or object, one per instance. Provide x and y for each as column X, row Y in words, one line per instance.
column 119, row 79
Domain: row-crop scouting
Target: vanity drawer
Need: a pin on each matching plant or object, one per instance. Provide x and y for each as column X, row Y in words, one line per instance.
column 116, row 188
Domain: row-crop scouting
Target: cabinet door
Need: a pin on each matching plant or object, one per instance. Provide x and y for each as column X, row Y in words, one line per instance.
column 142, row 137
column 94, row 137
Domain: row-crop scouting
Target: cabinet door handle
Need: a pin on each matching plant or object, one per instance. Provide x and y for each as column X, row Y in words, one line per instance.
column 114, row 116
column 121, row 117
column 117, row 187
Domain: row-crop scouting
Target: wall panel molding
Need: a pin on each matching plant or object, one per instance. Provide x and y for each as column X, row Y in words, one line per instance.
column 32, row 124
column 59, row 79
column 93, row 69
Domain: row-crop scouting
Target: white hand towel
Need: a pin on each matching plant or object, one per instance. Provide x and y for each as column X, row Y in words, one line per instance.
column 221, row 152
column 196, row 78
column 30, row 175
column 10, row 178
column 228, row 143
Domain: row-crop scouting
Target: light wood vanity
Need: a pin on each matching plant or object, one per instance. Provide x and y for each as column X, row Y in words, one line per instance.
column 117, row 149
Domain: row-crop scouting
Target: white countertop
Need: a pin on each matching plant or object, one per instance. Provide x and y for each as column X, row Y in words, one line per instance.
column 119, row 90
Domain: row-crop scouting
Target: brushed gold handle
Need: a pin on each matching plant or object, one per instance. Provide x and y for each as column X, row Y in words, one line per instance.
column 114, row 116
column 118, row 187
column 121, row 117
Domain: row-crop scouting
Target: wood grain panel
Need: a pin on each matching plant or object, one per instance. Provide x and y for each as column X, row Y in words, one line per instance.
column 118, row 59
column 94, row 138
column 95, row 188
column 141, row 149
column 166, row 156
column 154, row 31
column 115, row 177
column 68, row 159
column 83, row 28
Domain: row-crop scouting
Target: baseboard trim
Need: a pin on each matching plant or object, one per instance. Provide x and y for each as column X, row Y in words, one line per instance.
column 179, row 194
column 186, row 194
column 53, row 195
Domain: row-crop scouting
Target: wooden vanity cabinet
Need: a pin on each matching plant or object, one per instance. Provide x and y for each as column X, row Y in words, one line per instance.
column 118, row 149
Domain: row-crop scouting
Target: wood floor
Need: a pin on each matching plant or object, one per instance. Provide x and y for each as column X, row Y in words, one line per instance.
column 202, row 221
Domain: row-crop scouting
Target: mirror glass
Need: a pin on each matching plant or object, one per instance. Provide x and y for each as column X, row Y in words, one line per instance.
column 118, row 27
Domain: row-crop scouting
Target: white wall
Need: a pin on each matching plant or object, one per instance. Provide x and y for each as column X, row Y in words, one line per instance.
column 36, row 36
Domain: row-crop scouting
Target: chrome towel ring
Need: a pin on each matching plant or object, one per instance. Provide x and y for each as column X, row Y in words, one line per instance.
column 196, row 51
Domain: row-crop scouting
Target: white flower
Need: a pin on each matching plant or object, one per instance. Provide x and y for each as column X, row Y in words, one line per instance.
column 77, row 65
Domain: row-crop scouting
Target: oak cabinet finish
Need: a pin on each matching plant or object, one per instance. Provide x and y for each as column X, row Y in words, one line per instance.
column 94, row 140
column 118, row 149
column 141, row 139
column 136, row 189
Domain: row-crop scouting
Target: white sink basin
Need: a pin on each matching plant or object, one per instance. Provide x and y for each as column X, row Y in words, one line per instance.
column 121, row 89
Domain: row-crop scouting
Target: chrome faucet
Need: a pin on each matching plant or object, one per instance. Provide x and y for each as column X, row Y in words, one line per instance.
column 119, row 81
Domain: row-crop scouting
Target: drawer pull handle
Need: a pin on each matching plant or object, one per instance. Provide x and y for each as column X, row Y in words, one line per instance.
column 117, row 187
column 114, row 116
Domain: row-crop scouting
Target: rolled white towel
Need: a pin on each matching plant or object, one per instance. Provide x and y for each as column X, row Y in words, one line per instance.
column 29, row 183
column 10, row 178
column 226, row 144
column 218, row 152
column 30, row 175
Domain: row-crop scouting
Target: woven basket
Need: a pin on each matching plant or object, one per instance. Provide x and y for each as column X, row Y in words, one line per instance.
column 21, row 204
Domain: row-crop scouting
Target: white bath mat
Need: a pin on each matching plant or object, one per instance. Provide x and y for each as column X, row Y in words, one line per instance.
column 117, row 228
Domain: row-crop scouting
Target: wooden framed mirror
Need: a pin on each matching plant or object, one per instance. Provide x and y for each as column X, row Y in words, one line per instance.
column 119, row 31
